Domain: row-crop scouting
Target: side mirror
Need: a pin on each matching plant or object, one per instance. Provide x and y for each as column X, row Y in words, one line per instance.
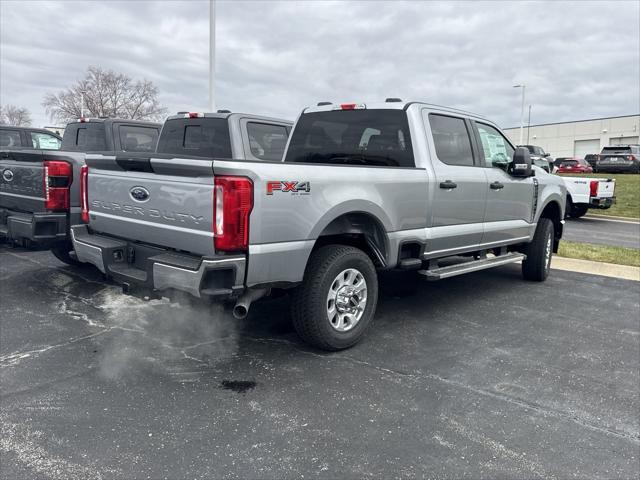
column 547, row 155
column 520, row 166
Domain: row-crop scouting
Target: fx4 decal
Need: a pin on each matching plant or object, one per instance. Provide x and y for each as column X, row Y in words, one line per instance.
column 291, row 187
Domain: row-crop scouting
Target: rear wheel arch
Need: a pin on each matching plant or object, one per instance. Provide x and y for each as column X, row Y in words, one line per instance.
column 358, row 229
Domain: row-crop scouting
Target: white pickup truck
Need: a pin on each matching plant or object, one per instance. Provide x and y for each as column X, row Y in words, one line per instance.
column 584, row 193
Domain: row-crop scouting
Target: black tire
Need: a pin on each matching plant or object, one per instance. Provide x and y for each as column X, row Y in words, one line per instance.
column 578, row 211
column 309, row 303
column 62, row 253
column 568, row 208
column 539, row 252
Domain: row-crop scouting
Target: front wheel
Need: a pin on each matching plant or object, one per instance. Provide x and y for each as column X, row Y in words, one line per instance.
column 539, row 252
column 333, row 306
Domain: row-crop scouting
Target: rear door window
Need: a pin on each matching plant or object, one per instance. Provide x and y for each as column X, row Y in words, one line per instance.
column 267, row 141
column 45, row 141
column 85, row 137
column 10, row 138
column 204, row 137
column 137, row 138
column 451, row 140
column 352, row 137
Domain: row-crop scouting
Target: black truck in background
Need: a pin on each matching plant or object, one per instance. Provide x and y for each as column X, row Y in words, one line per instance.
column 40, row 187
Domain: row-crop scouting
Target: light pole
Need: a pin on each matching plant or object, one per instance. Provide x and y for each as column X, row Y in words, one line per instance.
column 212, row 54
column 523, row 86
column 529, row 125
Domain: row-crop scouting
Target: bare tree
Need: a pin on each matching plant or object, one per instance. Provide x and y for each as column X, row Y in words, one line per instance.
column 105, row 93
column 15, row 116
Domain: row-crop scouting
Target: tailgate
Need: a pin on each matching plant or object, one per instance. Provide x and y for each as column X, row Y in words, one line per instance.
column 606, row 188
column 22, row 180
column 160, row 201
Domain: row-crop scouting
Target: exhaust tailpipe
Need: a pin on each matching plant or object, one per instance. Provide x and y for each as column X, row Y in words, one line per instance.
column 241, row 308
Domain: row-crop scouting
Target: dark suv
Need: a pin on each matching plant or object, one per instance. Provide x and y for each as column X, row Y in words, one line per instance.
column 620, row 158
column 25, row 137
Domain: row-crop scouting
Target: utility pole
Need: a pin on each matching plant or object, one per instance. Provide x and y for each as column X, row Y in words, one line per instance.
column 523, row 86
column 212, row 55
column 529, row 125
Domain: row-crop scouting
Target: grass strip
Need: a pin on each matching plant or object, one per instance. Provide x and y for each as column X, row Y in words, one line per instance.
column 600, row 253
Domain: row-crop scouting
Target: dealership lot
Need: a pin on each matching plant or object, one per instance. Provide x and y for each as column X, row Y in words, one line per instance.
column 482, row 375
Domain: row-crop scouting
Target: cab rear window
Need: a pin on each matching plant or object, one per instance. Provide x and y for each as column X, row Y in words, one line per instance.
column 352, row 137
column 202, row 137
column 84, row 137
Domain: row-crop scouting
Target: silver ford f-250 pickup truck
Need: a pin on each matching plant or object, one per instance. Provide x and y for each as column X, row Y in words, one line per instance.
column 361, row 188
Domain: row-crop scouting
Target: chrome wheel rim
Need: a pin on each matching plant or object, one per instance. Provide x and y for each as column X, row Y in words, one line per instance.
column 346, row 300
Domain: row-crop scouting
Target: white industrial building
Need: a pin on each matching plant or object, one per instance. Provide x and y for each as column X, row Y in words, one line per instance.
column 577, row 139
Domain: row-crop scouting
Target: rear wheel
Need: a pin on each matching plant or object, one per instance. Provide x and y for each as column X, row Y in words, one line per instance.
column 337, row 299
column 63, row 253
column 578, row 211
column 569, row 207
column 539, row 252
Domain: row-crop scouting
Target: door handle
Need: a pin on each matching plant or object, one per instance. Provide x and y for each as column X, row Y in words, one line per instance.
column 448, row 184
column 496, row 186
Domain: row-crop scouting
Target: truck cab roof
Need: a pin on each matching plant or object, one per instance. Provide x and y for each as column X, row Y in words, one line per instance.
column 389, row 104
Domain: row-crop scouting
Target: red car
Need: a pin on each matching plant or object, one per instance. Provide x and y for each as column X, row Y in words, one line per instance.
column 575, row 165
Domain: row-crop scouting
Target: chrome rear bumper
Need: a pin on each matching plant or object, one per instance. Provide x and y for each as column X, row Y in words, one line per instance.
column 150, row 267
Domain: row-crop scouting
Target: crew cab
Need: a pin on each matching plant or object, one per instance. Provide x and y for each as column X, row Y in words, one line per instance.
column 362, row 188
column 39, row 187
column 223, row 135
column 27, row 137
column 585, row 193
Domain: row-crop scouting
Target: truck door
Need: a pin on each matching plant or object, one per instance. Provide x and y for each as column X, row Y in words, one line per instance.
column 460, row 191
column 509, row 199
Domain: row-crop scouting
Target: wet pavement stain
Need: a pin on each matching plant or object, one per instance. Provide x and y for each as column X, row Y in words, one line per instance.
column 238, row 386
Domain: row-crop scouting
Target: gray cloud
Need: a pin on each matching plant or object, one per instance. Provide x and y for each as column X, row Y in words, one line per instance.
column 578, row 59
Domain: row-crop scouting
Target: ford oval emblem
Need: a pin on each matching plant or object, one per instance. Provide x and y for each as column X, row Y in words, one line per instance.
column 7, row 175
column 139, row 194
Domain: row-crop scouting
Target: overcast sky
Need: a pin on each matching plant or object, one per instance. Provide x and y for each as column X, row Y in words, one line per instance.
column 578, row 59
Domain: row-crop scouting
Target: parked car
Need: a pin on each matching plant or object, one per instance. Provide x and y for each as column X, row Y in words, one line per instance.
column 39, row 187
column 574, row 165
column 27, row 137
column 539, row 157
column 592, row 160
column 585, row 193
column 362, row 188
column 620, row 158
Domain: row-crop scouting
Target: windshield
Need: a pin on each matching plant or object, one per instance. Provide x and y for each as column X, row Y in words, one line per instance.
column 356, row 137
column 203, row 137
column 616, row 150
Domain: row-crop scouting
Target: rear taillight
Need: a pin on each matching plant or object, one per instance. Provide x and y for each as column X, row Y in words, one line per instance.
column 57, row 180
column 593, row 188
column 632, row 158
column 232, row 202
column 84, row 194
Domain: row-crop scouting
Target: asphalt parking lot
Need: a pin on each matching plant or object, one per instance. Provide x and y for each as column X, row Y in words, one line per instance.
column 479, row 376
column 603, row 231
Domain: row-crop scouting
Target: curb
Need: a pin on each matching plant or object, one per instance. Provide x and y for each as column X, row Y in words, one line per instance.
column 612, row 217
column 612, row 270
